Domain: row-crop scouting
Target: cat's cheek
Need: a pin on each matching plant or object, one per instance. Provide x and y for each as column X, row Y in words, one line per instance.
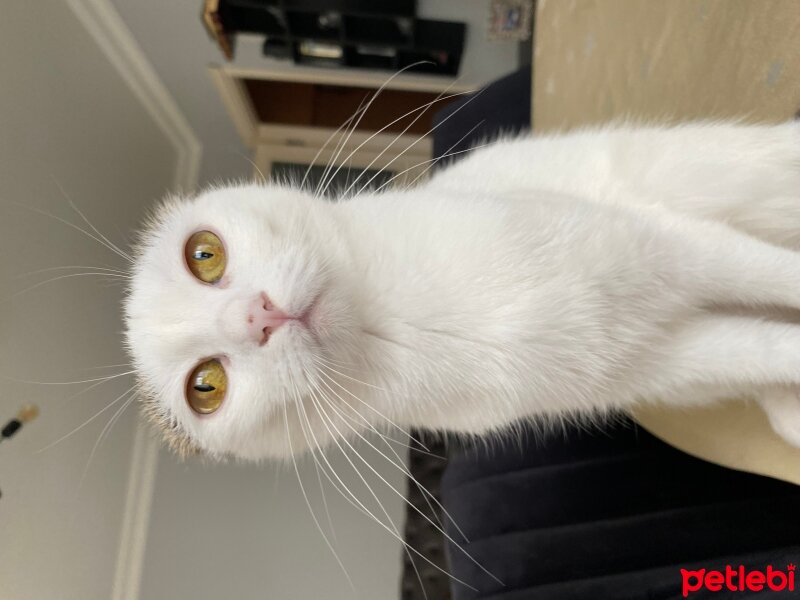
column 316, row 324
column 332, row 319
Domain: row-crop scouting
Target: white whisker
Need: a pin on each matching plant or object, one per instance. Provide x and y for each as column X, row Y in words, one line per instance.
column 422, row 108
column 86, row 389
column 401, row 495
column 306, row 427
column 305, row 495
column 383, row 435
column 374, row 410
column 89, row 420
column 71, row 275
column 105, row 241
column 90, row 268
column 28, row 381
column 432, row 162
column 75, row 227
column 430, row 131
column 108, row 366
column 335, row 363
column 448, row 154
column 109, row 243
column 346, row 138
column 361, row 109
column 375, row 387
column 342, row 488
column 102, row 435
column 402, row 469
column 399, row 465
column 343, row 139
column 255, row 166
column 317, row 467
column 393, row 530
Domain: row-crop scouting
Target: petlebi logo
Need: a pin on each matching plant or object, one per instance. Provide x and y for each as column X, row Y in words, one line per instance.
column 739, row 579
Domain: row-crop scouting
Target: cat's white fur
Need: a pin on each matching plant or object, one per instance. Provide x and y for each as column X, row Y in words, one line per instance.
column 540, row 276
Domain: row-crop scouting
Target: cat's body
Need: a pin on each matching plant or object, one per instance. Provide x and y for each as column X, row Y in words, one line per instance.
column 536, row 278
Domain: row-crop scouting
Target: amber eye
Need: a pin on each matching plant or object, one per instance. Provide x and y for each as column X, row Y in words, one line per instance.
column 205, row 389
column 205, row 256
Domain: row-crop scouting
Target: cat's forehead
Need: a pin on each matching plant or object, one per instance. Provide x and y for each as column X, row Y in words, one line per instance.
column 212, row 208
column 236, row 207
column 174, row 436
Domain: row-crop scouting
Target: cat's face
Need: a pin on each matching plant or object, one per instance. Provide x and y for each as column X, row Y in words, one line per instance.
column 278, row 300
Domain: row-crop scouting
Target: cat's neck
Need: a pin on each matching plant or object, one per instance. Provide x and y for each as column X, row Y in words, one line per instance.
column 420, row 259
column 443, row 294
column 459, row 296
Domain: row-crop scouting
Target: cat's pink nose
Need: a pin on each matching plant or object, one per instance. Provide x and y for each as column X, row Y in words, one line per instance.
column 263, row 318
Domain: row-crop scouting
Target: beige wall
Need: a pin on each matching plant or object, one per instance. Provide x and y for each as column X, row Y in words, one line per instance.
column 66, row 119
column 172, row 36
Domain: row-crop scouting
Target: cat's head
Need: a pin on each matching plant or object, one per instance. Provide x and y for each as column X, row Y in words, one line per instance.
column 239, row 297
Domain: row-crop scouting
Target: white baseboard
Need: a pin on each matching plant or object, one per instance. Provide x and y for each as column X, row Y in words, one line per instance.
column 106, row 27
column 136, row 515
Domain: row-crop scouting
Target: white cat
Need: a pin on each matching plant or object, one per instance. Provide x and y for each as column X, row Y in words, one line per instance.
column 538, row 278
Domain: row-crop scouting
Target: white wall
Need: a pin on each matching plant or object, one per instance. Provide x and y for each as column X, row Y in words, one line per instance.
column 172, row 36
column 68, row 120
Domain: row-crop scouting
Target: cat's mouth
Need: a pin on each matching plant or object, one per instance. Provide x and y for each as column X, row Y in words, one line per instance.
column 308, row 319
column 321, row 318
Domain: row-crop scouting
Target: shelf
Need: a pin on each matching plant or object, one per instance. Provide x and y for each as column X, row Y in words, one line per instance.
column 277, row 47
column 382, row 31
column 317, row 26
column 313, row 53
column 371, row 57
column 250, row 16
column 439, row 35
column 404, row 8
column 369, row 34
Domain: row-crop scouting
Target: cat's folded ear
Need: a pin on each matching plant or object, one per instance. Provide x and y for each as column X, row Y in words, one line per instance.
column 180, row 445
column 157, row 219
column 171, row 433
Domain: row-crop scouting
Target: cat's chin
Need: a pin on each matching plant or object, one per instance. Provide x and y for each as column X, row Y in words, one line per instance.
column 313, row 316
column 329, row 320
